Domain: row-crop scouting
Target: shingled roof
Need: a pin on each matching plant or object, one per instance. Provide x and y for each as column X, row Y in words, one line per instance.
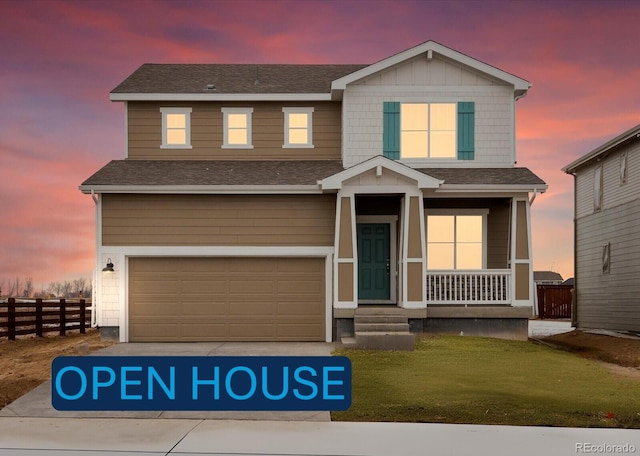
column 233, row 78
column 153, row 173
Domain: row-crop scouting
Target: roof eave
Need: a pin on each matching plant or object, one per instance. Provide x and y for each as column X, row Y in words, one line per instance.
column 202, row 189
column 464, row 188
column 118, row 96
column 520, row 85
column 632, row 133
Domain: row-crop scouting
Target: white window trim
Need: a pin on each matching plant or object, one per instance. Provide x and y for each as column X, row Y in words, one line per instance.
column 483, row 212
column 225, row 123
column 429, row 159
column 187, row 113
column 288, row 111
column 598, row 191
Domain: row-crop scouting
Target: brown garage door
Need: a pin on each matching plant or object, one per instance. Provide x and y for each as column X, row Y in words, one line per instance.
column 226, row 299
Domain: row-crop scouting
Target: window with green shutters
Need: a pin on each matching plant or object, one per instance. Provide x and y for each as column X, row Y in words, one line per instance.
column 429, row 130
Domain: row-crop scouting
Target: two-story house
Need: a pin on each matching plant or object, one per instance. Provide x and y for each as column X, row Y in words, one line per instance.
column 276, row 202
column 607, row 235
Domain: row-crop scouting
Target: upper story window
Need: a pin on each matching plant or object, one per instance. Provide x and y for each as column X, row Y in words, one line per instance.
column 237, row 128
column 623, row 168
column 298, row 127
column 427, row 130
column 176, row 128
column 597, row 188
column 421, row 130
column 456, row 239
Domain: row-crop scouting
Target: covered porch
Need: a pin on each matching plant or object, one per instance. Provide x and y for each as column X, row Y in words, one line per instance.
column 404, row 239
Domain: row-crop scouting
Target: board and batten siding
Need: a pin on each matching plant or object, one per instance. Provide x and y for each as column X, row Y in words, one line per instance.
column 438, row 80
column 144, row 130
column 265, row 220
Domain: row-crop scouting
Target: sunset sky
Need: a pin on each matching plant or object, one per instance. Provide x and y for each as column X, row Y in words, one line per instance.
column 60, row 60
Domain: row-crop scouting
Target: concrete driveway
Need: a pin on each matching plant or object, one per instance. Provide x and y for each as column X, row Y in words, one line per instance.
column 37, row 403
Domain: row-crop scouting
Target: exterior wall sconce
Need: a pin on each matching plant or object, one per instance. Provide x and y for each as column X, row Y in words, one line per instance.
column 109, row 267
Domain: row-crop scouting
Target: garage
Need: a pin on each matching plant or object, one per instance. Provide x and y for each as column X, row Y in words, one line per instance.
column 226, row 299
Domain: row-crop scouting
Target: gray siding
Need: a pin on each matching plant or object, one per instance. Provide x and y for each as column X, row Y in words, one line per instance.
column 609, row 300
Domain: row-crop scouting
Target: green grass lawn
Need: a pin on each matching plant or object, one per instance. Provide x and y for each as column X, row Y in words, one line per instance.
column 450, row 379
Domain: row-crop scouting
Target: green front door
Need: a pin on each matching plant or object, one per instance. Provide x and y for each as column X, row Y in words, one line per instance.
column 373, row 261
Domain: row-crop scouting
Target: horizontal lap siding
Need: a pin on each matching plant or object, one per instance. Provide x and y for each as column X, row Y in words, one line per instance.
column 218, row 220
column 144, row 128
column 609, row 301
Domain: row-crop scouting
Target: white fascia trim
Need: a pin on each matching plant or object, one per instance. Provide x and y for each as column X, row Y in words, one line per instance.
column 220, row 97
column 218, row 250
column 491, row 188
column 204, row 189
column 422, row 180
column 518, row 83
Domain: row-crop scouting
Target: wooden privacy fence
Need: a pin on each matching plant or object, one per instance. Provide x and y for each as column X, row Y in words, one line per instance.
column 39, row 317
column 554, row 301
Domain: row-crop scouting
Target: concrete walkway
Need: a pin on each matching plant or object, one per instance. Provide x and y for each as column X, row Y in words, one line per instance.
column 146, row 437
column 37, row 403
column 544, row 328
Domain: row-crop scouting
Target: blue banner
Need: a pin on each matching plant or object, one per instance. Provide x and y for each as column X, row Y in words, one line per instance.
column 275, row 383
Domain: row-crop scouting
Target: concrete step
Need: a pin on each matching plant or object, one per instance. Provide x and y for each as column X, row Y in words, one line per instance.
column 380, row 311
column 385, row 341
column 379, row 319
column 349, row 342
column 381, row 327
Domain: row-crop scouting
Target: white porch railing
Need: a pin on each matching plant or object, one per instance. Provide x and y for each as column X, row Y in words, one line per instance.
column 484, row 286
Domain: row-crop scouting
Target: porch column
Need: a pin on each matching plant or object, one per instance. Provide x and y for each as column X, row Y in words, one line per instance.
column 344, row 271
column 521, row 264
column 413, row 253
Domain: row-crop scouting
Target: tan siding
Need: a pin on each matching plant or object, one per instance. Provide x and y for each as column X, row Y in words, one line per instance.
column 414, row 248
column 345, row 281
column 415, row 277
column 214, row 299
column 609, row 301
column 218, row 220
column 522, row 281
column 145, row 135
column 346, row 229
column 522, row 231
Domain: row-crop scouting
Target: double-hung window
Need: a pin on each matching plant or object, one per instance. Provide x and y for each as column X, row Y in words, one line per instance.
column 456, row 239
column 176, row 128
column 237, row 128
column 427, row 130
column 298, row 127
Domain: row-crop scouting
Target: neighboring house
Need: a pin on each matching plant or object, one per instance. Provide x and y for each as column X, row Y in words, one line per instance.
column 547, row 278
column 607, row 234
column 275, row 202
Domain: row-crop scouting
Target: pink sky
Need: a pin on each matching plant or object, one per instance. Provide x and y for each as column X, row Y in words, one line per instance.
column 60, row 59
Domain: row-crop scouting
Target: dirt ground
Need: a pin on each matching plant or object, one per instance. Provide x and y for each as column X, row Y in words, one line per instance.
column 26, row 363
column 614, row 350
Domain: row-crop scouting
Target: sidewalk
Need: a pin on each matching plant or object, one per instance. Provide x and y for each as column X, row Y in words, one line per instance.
column 147, row 437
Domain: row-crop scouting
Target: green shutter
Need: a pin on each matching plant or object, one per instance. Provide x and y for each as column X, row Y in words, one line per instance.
column 391, row 130
column 466, row 130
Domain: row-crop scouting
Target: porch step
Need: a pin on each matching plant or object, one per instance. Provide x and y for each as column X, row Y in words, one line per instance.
column 380, row 328
column 391, row 319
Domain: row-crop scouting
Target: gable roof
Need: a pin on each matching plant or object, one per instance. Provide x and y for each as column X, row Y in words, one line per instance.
column 429, row 47
column 167, row 82
column 630, row 136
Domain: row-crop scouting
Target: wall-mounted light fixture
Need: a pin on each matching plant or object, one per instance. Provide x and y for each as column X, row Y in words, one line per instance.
column 109, row 267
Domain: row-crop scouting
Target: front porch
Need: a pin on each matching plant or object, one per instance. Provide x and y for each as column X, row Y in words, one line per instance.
column 405, row 241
